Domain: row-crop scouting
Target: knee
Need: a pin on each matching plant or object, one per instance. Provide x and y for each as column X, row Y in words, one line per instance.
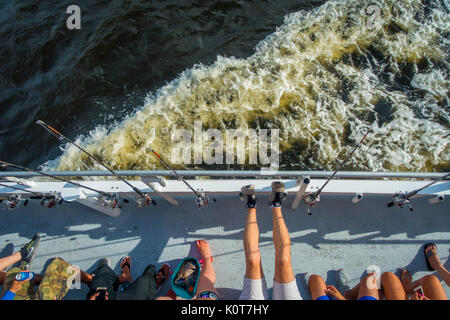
column 370, row 281
column 388, row 277
column 314, row 278
column 254, row 260
column 283, row 260
column 431, row 280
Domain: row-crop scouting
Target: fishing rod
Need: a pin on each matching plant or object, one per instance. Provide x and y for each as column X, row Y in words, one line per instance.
column 400, row 199
column 312, row 199
column 37, row 194
column 143, row 199
column 110, row 200
column 202, row 199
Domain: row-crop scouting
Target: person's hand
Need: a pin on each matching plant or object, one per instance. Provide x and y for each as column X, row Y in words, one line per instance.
column 419, row 296
column 17, row 285
column 332, row 291
column 95, row 295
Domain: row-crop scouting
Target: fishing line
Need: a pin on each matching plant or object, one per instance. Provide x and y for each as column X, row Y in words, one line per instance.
column 6, row 165
column 61, row 137
column 202, row 198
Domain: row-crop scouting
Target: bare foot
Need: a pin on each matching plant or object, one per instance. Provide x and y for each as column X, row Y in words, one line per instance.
column 434, row 260
column 332, row 291
column 126, row 272
column 162, row 275
column 204, row 249
column 406, row 280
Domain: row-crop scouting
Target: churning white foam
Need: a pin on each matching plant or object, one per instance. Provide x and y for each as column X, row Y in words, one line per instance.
column 322, row 78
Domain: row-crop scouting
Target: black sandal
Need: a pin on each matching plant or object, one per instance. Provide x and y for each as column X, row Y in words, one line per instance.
column 125, row 264
column 429, row 254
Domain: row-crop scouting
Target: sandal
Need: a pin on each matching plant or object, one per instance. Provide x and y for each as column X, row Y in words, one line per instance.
column 124, row 262
column 429, row 254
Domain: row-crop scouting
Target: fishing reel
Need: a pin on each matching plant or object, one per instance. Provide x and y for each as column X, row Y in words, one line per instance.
column 144, row 201
column 111, row 201
column 399, row 199
column 50, row 201
column 13, row 202
column 202, row 199
column 311, row 200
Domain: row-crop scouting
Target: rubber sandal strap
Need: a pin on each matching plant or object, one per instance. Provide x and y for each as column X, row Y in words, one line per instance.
column 429, row 254
column 125, row 263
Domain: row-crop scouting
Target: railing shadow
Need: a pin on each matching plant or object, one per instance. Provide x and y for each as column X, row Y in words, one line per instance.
column 166, row 233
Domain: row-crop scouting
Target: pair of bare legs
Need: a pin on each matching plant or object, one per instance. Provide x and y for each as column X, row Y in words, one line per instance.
column 282, row 244
column 367, row 287
column 398, row 289
column 207, row 276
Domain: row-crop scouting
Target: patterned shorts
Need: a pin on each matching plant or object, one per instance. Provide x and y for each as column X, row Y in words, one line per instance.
column 54, row 285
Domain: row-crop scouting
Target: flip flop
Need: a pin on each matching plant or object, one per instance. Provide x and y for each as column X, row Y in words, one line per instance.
column 124, row 264
column 429, row 254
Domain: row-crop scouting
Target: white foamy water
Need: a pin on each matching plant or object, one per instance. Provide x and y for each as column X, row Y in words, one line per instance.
column 322, row 78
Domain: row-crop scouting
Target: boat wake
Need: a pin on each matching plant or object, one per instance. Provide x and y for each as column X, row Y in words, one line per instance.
column 322, row 78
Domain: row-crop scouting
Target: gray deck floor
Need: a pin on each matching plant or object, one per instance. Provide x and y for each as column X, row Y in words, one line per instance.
column 339, row 234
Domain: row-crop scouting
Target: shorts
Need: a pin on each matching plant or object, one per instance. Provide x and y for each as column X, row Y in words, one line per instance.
column 367, row 298
column 286, row 291
column 54, row 285
column 256, row 289
column 324, row 297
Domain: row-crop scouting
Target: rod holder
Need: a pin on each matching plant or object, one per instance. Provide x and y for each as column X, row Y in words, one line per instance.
column 436, row 199
column 358, row 197
column 303, row 182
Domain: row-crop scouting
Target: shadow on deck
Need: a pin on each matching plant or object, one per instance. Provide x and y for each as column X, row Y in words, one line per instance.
column 339, row 234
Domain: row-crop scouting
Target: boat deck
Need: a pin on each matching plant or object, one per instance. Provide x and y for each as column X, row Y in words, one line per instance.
column 339, row 234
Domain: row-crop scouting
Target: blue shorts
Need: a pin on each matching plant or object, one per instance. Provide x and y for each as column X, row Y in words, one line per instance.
column 324, row 297
column 367, row 298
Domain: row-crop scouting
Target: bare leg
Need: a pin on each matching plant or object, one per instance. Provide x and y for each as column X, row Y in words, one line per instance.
column 352, row 294
column 10, row 260
column 432, row 287
column 164, row 298
column 85, row 278
column 368, row 287
column 317, row 286
column 436, row 264
column 392, row 287
column 282, row 243
column 253, row 266
column 207, row 275
column 126, row 272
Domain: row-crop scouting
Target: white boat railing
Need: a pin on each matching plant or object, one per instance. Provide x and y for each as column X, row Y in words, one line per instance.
column 233, row 174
